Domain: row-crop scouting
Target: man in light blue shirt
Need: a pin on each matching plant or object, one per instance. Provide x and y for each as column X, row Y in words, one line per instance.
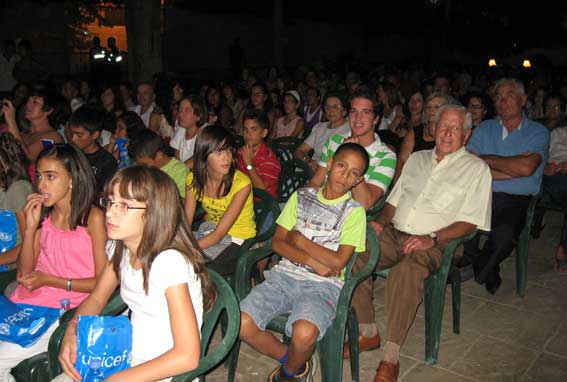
column 515, row 148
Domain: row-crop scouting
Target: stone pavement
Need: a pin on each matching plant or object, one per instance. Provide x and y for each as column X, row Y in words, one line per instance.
column 503, row 337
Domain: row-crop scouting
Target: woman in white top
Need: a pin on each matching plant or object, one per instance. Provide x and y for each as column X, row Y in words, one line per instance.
column 161, row 274
column 191, row 116
column 291, row 124
column 335, row 113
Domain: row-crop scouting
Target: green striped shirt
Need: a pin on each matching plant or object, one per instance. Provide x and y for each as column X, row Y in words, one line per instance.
column 382, row 160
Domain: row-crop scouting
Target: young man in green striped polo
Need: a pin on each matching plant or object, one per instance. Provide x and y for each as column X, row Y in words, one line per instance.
column 364, row 114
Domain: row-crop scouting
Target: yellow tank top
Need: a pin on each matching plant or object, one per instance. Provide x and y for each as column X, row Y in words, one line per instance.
column 244, row 227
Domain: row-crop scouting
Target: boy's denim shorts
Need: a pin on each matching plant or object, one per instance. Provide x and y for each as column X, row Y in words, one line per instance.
column 312, row 301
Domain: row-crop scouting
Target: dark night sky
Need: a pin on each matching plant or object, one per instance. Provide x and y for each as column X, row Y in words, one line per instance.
column 510, row 25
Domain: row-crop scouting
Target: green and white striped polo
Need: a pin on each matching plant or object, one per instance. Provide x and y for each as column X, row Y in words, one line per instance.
column 382, row 160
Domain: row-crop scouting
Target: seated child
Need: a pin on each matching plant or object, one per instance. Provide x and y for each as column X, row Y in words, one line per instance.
column 148, row 148
column 191, row 116
column 255, row 159
column 317, row 233
column 128, row 126
column 85, row 126
column 63, row 243
column 161, row 275
column 225, row 194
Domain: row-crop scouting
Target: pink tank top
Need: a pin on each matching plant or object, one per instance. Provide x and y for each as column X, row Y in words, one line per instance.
column 66, row 254
column 283, row 129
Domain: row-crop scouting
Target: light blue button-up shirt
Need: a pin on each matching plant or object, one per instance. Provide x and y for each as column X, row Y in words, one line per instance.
column 530, row 136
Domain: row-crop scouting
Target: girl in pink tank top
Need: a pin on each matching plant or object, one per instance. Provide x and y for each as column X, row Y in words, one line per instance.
column 62, row 254
column 63, row 246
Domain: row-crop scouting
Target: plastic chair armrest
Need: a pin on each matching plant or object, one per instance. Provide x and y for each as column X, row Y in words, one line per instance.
column 243, row 272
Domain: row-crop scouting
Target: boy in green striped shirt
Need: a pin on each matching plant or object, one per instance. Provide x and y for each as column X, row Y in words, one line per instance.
column 363, row 116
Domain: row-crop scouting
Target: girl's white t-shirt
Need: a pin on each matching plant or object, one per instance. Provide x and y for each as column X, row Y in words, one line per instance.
column 186, row 147
column 151, row 334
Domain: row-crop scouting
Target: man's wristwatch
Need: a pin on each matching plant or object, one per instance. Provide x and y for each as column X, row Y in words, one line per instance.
column 249, row 167
column 433, row 235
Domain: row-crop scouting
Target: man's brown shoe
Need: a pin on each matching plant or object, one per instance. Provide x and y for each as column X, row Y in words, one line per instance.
column 364, row 343
column 387, row 372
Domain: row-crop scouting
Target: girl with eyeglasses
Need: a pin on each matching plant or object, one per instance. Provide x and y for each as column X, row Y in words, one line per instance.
column 161, row 274
column 63, row 246
column 226, row 195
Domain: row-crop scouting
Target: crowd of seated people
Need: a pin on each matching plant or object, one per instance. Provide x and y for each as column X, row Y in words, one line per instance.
column 445, row 162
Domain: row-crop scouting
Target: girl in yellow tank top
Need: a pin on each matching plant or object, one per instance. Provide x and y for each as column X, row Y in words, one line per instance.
column 225, row 192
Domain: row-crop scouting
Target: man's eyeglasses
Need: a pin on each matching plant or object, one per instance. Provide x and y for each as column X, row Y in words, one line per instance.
column 120, row 206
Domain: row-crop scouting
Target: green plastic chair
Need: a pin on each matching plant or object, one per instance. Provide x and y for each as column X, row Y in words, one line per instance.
column 284, row 147
column 522, row 247
column 330, row 347
column 294, row 174
column 6, row 278
column 226, row 304
column 264, row 207
column 45, row 366
column 545, row 203
column 434, row 300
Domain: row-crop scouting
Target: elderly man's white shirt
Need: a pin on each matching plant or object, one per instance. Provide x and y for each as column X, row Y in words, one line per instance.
column 431, row 195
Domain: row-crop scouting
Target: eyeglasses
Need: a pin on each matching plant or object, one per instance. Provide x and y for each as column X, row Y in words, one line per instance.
column 120, row 206
column 333, row 107
column 553, row 107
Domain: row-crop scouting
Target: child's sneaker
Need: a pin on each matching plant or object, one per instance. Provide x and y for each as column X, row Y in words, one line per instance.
column 305, row 376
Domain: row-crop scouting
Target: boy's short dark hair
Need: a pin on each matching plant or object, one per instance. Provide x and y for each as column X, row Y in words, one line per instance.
column 53, row 102
column 147, row 144
column 365, row 93
column 355, row 148
column 258, row 115
column 89, row 118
